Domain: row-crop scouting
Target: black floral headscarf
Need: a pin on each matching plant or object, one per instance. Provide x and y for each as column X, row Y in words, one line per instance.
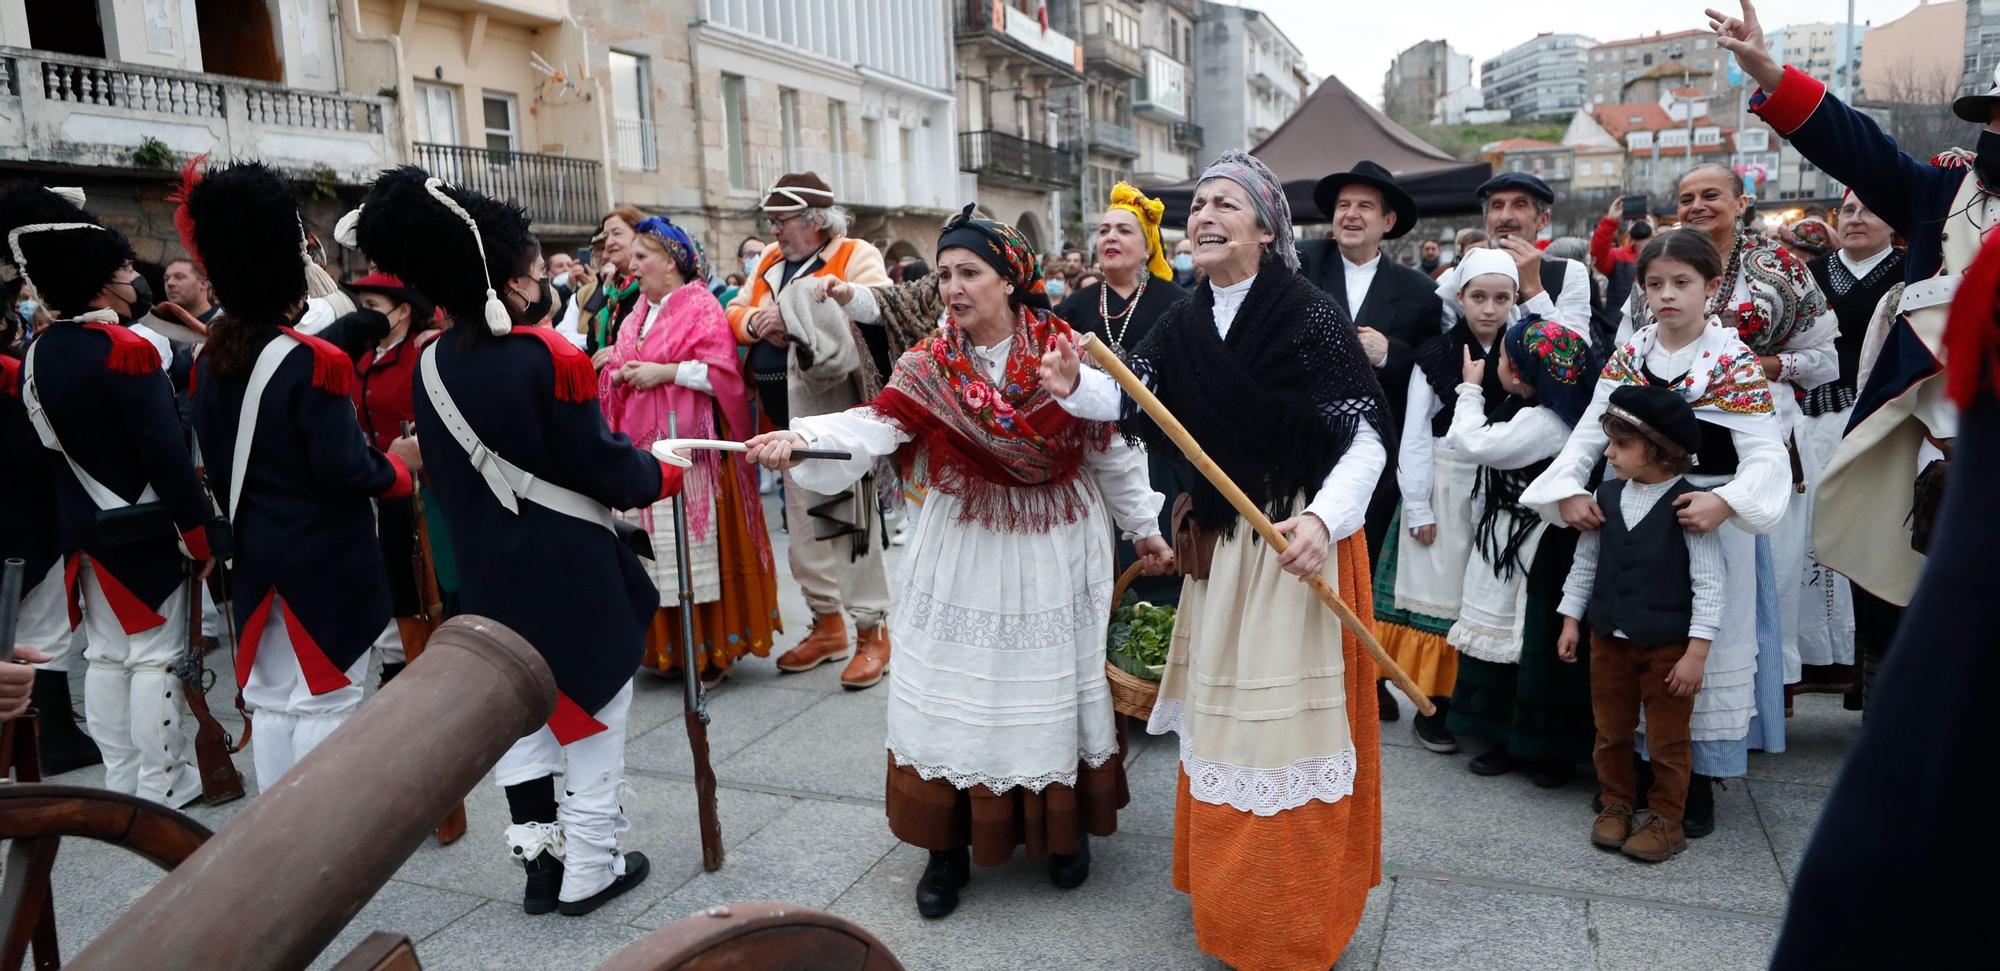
column 1003, row 248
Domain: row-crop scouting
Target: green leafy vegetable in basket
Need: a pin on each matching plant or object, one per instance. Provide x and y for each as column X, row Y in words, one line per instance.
column 1139, row 636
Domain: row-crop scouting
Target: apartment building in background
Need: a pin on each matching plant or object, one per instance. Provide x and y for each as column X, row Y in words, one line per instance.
column 1917, row 57
column 1641, row 69
column 1171, row 146
column 1423, row 75
column 1982, row 45
column 1236, row 45
column 1012, row 85
column 1547, row 77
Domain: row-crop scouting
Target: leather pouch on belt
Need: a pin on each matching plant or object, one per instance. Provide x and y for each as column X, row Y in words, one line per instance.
column 1193, row 545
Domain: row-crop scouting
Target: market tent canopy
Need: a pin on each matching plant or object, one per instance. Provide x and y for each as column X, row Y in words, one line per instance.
column 1330, row 132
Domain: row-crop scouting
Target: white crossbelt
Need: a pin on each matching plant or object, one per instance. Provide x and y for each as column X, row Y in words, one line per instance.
column 268, row 360
column 99, row 493
column 507, row 481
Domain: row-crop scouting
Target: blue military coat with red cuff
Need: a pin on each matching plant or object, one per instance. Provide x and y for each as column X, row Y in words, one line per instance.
column 112, row 407
column 304, row 527
column 568, row 586
column 27, row 491
column 1912, row 197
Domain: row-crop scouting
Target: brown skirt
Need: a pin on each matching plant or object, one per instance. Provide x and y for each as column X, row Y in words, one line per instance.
column 744, row 619
column 936, row 815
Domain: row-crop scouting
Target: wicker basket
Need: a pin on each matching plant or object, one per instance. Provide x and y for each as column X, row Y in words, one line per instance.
column 1130, row 694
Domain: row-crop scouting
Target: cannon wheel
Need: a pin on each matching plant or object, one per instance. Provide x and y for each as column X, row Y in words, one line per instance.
column 763, row 934
column 35, row 818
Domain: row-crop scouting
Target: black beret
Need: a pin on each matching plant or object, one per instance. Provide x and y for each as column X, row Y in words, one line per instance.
column 1518, row 181
column 1659, row 413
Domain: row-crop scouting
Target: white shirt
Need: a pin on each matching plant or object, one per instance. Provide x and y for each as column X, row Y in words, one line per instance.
column 1571, row 307
column 1705, row 564
column 1228, row 300
column 1863, row 268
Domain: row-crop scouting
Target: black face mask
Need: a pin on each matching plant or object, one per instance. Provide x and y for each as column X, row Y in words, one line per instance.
column 1987, row 161
column 142, row 299
column 538, row 311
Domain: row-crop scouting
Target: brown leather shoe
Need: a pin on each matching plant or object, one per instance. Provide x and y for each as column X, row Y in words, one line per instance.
column 871, row 658
column 826, row 642
column 1657, row 840
column 1613, row 828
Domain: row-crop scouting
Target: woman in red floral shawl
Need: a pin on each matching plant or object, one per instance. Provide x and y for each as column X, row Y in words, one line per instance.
column 1001, row 731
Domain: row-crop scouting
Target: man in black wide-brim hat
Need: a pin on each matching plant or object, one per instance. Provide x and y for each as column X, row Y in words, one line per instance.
column 1394, row 308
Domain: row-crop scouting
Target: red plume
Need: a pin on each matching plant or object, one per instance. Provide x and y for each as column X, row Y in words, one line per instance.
column 184, row 223
column 1972, row 334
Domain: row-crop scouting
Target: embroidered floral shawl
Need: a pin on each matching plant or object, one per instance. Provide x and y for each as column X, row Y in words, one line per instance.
column 1725, row 385
column 1785, row 305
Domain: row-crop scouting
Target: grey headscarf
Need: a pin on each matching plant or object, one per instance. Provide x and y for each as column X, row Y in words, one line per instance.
column 1267, row 194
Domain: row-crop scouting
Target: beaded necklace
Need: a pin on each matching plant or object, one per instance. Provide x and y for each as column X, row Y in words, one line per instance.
column 1124, row 318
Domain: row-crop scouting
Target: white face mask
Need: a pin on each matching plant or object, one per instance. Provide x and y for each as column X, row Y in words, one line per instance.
column 561, row 279
column 1056, row 289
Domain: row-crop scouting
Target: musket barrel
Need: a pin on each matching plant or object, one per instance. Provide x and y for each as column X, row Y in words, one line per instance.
column 274, row 887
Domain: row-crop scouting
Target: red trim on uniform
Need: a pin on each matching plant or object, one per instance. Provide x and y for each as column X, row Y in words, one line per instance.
column 130, row 353
column 320, row 674
column 403, row 484
column 250, row 636
column 196, row 541
column 1792, row 102
column 333, row 372
column 671, row 477
column 10, row 376
column 72, row 597
column 576, row 379
column 571, row 723
column 1971, row 335
column 191, row 175
column 133, row 614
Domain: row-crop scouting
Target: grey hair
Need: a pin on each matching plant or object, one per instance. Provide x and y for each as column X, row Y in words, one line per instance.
column 834, row 219
column 1569, row 248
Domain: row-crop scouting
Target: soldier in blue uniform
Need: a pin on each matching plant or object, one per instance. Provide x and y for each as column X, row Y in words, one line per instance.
column 531, row 519
column 291, row 466
column 130, row 512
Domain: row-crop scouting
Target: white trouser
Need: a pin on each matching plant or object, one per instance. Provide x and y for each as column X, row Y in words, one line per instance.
column 589, row 813
column 131, row 701
column 211, row 617
column 44, row 623
column 828, row 574
column 290, row 720
column 389, row 644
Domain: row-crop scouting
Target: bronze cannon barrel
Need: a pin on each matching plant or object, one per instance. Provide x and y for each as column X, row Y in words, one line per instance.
column 276, row 884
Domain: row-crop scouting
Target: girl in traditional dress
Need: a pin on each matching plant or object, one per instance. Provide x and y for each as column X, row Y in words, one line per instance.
column 1001, row 731
column 1742, row 465
column 1769, row 297
column 675, row 356
column 1422, row 573
column 1512, row 690
column 1277, row 828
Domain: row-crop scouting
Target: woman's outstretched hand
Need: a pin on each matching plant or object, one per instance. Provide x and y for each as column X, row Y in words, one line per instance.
column 1060, row 366
column 773, row 450
column 1155, row 556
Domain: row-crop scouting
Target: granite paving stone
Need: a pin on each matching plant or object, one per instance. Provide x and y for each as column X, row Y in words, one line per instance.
column 1789, row 813
column 810, row 855
column 1436, row 924
column 497, row 936
column 836, row 747
column 1655, row 939
column 739, row 714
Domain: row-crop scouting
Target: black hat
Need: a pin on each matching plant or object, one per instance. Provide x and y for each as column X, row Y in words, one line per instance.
column 1367, row 173
column 241, row 224
column 62, row 249
column 1978, row 108
column 452, row 244
column 1521, row 182
column 1659, row 414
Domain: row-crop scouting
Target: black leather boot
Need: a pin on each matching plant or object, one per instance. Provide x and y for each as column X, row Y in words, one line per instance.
column 937, row 889
column 1699, row 820
column 64, row 746
column 1431, row 732
column 1070, row 870
column 636, row 871
column 545, row 874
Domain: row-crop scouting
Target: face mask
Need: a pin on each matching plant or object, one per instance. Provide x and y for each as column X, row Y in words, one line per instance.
column 27, row 308
column 562, row 279
column 1057, row 289
column 750, row 267
column 538, row 311
column 1987, row 161
column 142, row 297
column 1184, row 262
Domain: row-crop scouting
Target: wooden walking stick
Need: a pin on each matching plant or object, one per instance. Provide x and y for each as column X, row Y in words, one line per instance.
column 694, row 700
column 1109, row 361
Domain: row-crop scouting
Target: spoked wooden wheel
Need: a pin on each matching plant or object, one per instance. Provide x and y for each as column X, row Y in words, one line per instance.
column 35, row 818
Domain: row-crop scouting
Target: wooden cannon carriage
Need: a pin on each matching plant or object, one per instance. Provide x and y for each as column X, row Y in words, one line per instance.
column 416, row 750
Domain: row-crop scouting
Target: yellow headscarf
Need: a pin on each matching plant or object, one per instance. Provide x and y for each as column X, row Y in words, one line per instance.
column 1149, row 211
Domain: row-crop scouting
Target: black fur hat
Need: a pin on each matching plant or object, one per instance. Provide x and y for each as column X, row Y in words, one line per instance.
column 241, row 224
column 67, row 266
column 409, row 232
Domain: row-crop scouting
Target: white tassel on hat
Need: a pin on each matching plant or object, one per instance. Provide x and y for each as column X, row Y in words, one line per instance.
column 498, row 320
column 70, row 193
column 344, row 230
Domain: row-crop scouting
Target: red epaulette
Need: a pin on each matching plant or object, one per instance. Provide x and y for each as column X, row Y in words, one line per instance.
column 576, row 379
column 130, row 353
column 333, row 372
column 10, row 376
column 1972, row 332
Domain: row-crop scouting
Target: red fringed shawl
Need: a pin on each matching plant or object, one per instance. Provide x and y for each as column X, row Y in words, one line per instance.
column 1008, row 453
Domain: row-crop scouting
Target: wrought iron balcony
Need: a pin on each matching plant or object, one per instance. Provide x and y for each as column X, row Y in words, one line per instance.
column 1003, row 23
column 1187, row 134
column 555, row 190
column 1002, row 156
column 1105, row 51
column 1113, row 139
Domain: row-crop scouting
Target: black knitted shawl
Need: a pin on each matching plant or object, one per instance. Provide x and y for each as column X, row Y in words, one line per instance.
column 1442, row 360
column 1275, row 404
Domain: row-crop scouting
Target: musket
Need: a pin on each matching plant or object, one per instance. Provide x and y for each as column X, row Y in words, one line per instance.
column 430, row 613
column 220, row 782
column 694, row 700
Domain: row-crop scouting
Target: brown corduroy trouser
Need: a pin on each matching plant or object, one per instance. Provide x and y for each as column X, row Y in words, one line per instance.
column 1624, row 676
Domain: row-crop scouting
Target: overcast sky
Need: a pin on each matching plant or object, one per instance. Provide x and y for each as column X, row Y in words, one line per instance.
column 1356, row 40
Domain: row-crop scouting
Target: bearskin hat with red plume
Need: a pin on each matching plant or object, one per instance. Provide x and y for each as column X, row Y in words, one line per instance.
column 69, row 267
column 241, row 223
column 408, row 232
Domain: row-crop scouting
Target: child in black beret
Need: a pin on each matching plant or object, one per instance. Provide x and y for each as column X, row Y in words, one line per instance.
column 1651, row 592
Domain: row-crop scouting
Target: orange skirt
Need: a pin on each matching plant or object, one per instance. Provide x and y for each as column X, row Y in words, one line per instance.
column 1430, row 662
column 1286, row 891
column 745, row 618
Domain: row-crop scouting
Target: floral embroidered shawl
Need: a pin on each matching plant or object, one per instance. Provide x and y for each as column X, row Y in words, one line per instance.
column 1786, row 310
column 1725, row 386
